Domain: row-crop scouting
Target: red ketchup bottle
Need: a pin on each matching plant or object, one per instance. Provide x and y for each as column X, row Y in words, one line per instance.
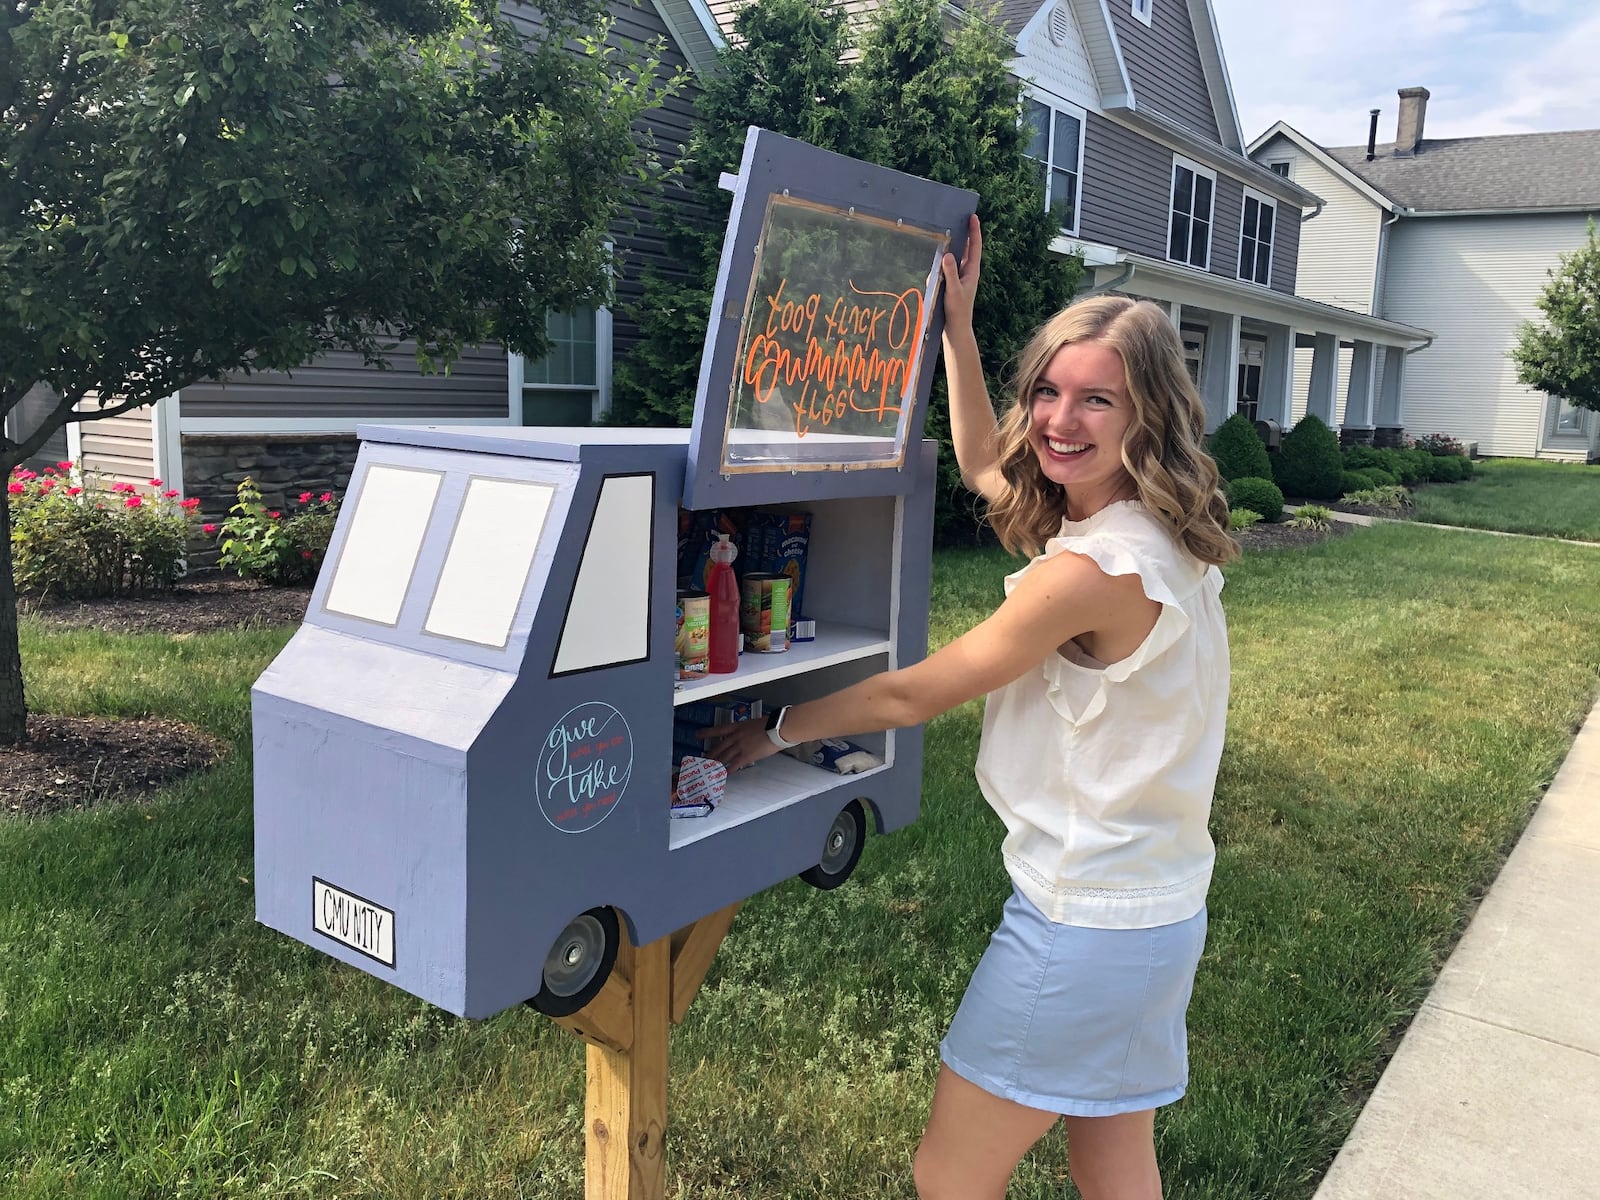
column 724, row 589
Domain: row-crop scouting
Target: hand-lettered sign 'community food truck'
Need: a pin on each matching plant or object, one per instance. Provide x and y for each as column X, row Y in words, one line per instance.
column 474, row 761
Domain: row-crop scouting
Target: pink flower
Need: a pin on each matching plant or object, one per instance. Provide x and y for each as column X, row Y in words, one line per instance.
column 209, row 528
column 46, row 484
column 274, row 515
column 326, row 497
column 132, row 502
column 49, row 470
column 171, row 493
column 16, row 489
column 65, row 466
column 73, row 491
column 192, row 503
column 24, row 474
column 305, row 497
column 155, row 483
column 122, row 487
column 305, row 554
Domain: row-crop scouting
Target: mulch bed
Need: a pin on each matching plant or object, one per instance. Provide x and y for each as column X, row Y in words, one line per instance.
column 72, row 763
column 1283, row 536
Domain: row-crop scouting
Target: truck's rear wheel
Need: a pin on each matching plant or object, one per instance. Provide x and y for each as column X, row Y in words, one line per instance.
column 841, row 849
column 579, row 963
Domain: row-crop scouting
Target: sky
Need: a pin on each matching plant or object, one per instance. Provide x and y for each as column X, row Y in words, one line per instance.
column 1490, row 66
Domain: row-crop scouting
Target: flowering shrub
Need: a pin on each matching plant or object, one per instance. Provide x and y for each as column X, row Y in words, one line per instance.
column 71, row 537
column 1440, row 443
column 262, row 543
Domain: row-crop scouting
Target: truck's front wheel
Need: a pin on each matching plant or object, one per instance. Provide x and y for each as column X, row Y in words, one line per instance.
column 579, row 963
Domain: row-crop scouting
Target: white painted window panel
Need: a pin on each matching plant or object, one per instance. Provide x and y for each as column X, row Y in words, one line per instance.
column 486, row 568
column 380, row 551
column 609, row 618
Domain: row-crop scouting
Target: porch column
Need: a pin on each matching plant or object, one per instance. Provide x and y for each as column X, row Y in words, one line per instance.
column 1324, row 377
column 1358, row 396
column 1219, row 369
column 1277, row 378
column 1391, row 423
column 1175, row 311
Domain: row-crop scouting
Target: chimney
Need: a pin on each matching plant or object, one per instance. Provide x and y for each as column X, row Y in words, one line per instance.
column 1413, row 108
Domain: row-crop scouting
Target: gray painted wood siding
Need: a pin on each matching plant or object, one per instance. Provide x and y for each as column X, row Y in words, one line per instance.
column 122, row 448
column 1227, row 208
column 1164, row 64
column 1127, row 188
column 1285, row 248
column 35, row 407
column 341, row 385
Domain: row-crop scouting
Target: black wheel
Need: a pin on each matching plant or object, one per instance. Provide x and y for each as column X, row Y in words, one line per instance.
column 579, row 963
column 841, row 851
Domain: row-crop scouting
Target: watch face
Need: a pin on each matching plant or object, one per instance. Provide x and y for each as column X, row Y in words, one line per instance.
column 772, row 718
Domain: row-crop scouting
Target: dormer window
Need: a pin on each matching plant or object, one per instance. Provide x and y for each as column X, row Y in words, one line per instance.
column 1144, row 10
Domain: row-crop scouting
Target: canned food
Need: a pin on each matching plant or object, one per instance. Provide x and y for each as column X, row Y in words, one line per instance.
column 764, row 613
column 694, row 634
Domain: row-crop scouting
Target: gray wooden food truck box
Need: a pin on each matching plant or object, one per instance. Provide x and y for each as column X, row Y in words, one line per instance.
column 469, row 742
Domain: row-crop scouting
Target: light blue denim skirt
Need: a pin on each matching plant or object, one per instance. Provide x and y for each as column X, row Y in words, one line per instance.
column 1083, row 1022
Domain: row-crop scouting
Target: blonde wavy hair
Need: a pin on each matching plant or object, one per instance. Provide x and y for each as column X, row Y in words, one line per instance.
column 1163, row 450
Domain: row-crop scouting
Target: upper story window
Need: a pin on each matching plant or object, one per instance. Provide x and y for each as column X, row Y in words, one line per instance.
column 1055, row 143
column 1189, row 233
column 1144, row 10
column 1255, row 239
column 1279, row 168
column 568, row 385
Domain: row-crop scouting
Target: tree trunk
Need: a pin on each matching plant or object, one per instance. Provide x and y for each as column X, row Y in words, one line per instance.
column 13, row 707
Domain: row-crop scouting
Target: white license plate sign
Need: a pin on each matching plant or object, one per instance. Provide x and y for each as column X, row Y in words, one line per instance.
column 357, row 922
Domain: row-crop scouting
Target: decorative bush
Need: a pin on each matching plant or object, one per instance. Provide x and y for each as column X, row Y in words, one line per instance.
column 1416, row 466
column 1258, row 495
column 1445, row 469
column 1239, row 450
column 1440, row 443
column 1308, row 463
column 1242, row 518
column 71, row 537
column 1359, row 457
column 1385, row 499
column 1311, row 516
column 262, row 543
column 1466, row 467
column 1357, row 481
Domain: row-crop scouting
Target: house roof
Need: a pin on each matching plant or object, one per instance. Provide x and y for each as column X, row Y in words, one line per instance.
column 1504, row 173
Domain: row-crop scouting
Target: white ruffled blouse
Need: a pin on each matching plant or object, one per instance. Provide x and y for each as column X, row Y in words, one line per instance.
column 1104, row 773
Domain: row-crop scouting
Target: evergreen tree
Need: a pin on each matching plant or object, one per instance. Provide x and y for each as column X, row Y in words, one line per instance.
column 1308, row 463
column 1562, row 356
column 1239, row 451
column 935, row 104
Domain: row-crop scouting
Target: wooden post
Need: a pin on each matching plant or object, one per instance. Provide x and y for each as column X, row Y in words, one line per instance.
column 625, row 1118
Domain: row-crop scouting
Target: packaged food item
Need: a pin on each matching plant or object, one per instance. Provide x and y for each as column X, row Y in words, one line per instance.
column 693, row 639
column 697, row 787
column 764, row 614
column 837, row 755
column 776, row 544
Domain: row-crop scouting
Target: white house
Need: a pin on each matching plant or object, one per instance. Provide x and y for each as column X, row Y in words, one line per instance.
column 1457, row 235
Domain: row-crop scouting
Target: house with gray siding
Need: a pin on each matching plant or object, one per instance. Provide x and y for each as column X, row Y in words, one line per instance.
column 296, row 430
column 1456, row 235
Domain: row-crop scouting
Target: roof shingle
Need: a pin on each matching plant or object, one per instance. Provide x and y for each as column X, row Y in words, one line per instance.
column 1504, row 172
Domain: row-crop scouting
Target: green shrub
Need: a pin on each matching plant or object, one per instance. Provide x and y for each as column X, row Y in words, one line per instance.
column 1445, row 468
column 1356, row 481
column 1360, row 457
column 1386, row 499
column 1382, row 478
column 262, row 543
column 1467, row 467
column 1239, row 451
column 1258, row 495
column 72, row 537
column 1308, row 462
column 1242, row 518
column 1416, row 466
column 1311, row 516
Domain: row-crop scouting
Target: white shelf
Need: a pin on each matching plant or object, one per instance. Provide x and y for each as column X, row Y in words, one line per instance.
column 770, row 784
column 834, row 644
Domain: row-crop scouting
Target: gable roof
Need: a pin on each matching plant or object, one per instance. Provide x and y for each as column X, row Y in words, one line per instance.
column 1503, row 173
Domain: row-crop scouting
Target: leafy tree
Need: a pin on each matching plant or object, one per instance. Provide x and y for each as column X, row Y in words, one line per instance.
column 1562, row 356
column 942, row 106
column 194, row 188
column 1239, row 450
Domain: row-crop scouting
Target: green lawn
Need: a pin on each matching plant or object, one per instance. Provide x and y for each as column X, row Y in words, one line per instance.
column 1400, row 697
column 1518, row 495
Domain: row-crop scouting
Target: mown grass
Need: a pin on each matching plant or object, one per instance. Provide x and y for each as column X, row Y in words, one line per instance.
column 1400, row 697
column 1519, row 496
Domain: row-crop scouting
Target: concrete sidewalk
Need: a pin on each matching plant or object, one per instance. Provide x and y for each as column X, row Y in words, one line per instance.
column 1495, row 1090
